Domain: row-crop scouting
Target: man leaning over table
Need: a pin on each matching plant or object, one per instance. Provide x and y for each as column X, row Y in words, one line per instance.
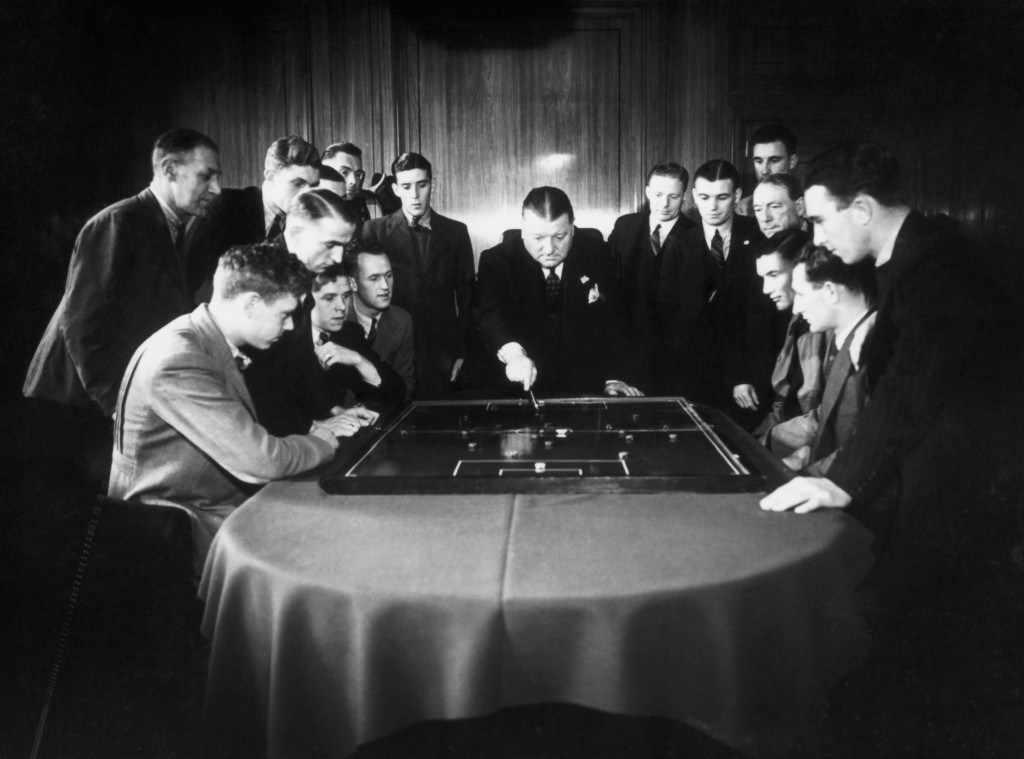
column 185, row 431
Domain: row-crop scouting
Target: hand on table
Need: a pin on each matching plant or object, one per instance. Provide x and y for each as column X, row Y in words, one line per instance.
column 805, row 494
column 522, row 370
column 745, row 396
column 616, row 387
column 348, row 422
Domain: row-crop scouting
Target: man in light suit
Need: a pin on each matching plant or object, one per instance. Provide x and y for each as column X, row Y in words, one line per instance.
column 185, row 431
column 355, row 372
column 548, row 307
column 130, row 274
column 386, row 329
column 637, row 241
column 432, row 260
column 714, row 326
column 835, row 299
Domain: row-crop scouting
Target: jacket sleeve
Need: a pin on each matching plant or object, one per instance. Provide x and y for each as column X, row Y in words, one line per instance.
column 493, row 281
column 190, row 394
column 91, row 321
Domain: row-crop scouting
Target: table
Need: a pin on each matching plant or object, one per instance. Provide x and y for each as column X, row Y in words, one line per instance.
column 335, row 620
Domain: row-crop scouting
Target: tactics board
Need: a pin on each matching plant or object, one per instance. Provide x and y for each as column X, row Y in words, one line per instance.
column 562, row 445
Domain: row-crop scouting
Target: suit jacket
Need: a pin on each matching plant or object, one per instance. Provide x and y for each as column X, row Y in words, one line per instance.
column 289, row 389
column 579, row 344
column 394, row 343
column 808, row 350
column 842, row 401
column 706, row 319
column 124, row 282
column 638, row 269
column 242, row 210
column 186, row 431
column 347, row 385
column 436, row 294
column 935, row 363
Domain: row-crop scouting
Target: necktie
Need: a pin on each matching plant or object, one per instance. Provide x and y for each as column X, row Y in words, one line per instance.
column 322, row 338
column 553, row 285
column 372, row 334
column 276, row 227
column 179, row 239
column 416, row 226
column 718, row 249
column 830, row 358
column 656, row 239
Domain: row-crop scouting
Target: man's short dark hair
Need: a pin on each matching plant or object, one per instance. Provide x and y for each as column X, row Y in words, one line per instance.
column 409, row 162
column 773, row 133
column 318, row 203
column 266, row 269
column 291, row 151
column 549, row 203
column 788, row 244
column 350, row 261
column 179, row 143
column 846, row 171
column 823, row 266
column 716, row 169
column 342, row 147
column 670, row 169
column 791, row 183
column 331, row 175
column 332, row 273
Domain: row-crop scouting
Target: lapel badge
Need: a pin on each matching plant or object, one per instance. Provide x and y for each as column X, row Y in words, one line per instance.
column 584, row 279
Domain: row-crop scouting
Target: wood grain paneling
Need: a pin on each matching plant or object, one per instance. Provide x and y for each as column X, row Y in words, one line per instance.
column 527, row 108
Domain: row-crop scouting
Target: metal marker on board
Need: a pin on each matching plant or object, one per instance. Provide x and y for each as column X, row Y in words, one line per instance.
column 533, row 400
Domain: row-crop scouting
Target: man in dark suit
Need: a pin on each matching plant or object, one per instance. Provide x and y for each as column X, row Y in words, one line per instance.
column 347, row 159
column 386, row 329
column 355, row 372
column 714, row 327
column 129, row 276
column 432, row 260
column 186, row 429
column 256, row 214
column 836, row 299
column 548, row 307
column 772, row 151
column 942, row 376
column 636, row 242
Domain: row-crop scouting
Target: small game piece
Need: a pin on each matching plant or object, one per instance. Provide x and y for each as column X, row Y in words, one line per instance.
column 472, row 446
column 629, row 438
column 540, row 466
column 672, row 437
column 548, row 444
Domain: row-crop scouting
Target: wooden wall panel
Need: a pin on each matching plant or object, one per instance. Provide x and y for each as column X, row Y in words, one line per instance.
column 512, row 109
column 351, row 79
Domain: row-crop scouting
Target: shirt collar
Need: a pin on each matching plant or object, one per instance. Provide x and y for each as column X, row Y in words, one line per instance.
column 424, row 219
column 862, row 324
column 666, row 226
column 558, row 271
column 886, row 252
column 174, row 220
column 364, row 320
column 725, row 230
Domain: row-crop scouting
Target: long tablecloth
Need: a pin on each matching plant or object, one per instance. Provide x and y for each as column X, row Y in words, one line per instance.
column 337, row 620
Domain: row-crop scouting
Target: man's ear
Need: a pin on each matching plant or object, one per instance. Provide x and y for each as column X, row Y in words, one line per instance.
column 799, row 205
column 738, row 194
column 831, row 292
column 793, row 161
column 249, row 302
column 269, row 174
column 169, row 168
column 861, row 210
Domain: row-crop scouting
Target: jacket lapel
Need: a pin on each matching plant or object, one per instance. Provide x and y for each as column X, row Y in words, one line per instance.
column 160, row 238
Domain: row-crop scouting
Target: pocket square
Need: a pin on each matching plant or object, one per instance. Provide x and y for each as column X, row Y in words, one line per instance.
column 594, row 295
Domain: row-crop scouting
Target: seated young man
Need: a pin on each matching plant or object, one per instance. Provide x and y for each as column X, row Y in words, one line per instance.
column 186, row 431
column 797, row 378
column 355, row 372
column 837, row 297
